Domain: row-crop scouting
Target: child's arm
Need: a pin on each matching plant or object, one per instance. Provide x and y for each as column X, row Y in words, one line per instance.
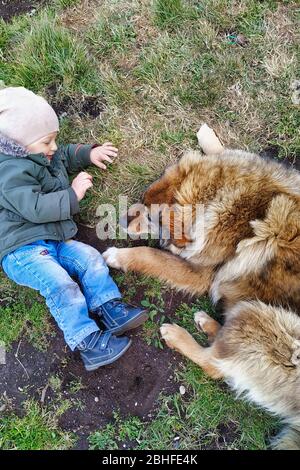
column 76, row 157
column 21, row 193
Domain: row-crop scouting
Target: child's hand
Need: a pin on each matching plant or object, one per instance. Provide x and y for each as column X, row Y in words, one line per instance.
column 102, row 154
column 81, row 183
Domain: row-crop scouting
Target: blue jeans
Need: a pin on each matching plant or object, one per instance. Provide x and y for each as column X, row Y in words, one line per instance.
column 47, row 266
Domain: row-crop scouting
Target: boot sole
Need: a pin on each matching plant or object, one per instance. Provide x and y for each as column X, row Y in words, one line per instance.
column 131, row 325
column 108, row 361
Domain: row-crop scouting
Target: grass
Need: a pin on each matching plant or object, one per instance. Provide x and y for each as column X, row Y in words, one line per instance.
column 157, row 70
column 117, row 34
column 23, row 313
column 50, row 57
column 36, row 430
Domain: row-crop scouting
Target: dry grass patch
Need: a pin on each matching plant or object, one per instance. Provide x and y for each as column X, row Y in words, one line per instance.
column 79, row 17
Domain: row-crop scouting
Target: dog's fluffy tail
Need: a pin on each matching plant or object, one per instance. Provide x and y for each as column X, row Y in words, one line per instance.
column 281, row 223
column 208, row 141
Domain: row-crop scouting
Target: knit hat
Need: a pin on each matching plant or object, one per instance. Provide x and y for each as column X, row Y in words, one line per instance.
column 24, row 116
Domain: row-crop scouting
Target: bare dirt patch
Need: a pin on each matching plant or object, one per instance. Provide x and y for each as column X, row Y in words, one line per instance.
column 130, row 386
column 77, row 104
column 10, row 8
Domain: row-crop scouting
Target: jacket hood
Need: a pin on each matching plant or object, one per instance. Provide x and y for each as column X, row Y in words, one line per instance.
column 11, row 148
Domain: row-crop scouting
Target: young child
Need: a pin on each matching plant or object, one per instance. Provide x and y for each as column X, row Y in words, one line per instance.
column 37, row 250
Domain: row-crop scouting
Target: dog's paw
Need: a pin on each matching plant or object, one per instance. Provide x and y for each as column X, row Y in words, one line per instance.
column 113, row 257
column 173, row 335
column 201, row 318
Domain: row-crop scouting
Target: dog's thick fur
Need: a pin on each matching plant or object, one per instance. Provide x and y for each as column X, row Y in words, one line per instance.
column 249, row 262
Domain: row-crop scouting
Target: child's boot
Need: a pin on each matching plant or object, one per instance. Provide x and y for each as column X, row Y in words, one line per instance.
column 99, row 349
column 119, row 316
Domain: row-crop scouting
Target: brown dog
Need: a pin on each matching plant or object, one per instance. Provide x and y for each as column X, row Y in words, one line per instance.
column 248, row 259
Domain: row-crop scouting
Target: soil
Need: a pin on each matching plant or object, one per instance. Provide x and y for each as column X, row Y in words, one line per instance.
column 10, row 8
column 91, row 106
column 272, row 153
column 82, row 105
column 130, row 386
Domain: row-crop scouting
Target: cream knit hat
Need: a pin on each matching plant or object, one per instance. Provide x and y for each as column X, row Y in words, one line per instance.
column 24, row 116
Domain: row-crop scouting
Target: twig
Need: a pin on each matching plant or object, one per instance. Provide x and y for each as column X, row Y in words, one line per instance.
column 17, row 352
column 16, row 356
column 44, row 393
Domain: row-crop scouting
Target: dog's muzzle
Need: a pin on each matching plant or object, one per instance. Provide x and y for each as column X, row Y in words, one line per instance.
column 163, row 242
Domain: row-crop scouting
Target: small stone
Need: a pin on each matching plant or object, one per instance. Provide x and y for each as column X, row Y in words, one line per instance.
column 237, row 38
column 136, row 403
column 96, row 399
column 241, row 40
column 176, row 444
column 182, row 390
column 176, row 438
column 295, row 85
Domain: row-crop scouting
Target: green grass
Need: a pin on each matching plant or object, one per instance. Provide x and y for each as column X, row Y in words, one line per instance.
column 169, row 13
column 159, row 68
column 23, row 313
column 65, row 3
column 49, row 56
column 36, row 430
column 109, row 36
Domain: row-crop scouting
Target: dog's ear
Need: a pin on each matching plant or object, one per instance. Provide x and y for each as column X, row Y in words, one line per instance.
column 162, row 191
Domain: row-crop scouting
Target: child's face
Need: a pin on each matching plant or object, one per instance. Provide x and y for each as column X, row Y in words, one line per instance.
column 46, row 145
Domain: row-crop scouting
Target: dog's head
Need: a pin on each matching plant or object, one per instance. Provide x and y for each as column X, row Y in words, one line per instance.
column 161, row 214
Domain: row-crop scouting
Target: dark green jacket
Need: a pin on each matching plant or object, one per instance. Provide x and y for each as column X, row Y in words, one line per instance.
column 36, row 199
